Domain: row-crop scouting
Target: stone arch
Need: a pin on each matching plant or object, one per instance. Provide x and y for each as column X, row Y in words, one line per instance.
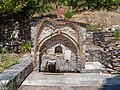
column 55, row 34
column 55, row 23
column 78, row 42
column 44, row 49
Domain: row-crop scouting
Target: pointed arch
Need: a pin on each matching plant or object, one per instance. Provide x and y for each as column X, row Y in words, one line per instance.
column 55, row 23
column 55, row 34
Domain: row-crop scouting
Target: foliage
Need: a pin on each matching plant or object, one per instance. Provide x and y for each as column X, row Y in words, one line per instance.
column 31, row 7
column 101, row 4
column 117, row 34
column 68, row 14
column 8, row 6
column 1, row 50
column 25, row 8
column 25, row 47
column 4, row 86
column 10, row 85
column 6, row 61
column 82, row 5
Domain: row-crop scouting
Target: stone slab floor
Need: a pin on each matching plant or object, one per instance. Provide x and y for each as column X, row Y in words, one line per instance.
column 70, row 81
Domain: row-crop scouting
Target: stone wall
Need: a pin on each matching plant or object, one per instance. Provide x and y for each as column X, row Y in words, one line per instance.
column 93, row 55
column 94, row 44
column 95, row 37
column 92, row 51
column 89, row 37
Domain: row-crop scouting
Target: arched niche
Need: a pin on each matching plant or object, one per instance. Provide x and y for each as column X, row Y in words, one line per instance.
column 66, row 51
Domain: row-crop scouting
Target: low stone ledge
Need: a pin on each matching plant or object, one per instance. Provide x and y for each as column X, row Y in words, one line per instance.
column 16, row 74
column 92, row 70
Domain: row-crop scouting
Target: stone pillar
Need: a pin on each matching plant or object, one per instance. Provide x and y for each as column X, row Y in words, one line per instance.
column 83, row 57
column 78, row 63
column 78, row 57
column 40, row 61
column 82, row 47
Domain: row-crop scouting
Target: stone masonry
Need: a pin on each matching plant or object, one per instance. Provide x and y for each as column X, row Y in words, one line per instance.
column 49, row 34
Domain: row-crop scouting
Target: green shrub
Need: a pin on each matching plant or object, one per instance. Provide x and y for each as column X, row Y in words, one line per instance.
column 25, row 47
column 68, row 14
column 117, row 34
column 1, row 50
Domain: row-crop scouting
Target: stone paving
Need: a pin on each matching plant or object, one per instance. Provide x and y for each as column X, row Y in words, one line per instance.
column 70, row 81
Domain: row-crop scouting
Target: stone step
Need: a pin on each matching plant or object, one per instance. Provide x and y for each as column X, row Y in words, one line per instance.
column 92, row 70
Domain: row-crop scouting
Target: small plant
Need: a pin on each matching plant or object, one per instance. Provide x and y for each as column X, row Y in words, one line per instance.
column 25, row 47
column 10, row 85
column 68, row 14
column 4, row 85
column 117, row 34
column 1, row 49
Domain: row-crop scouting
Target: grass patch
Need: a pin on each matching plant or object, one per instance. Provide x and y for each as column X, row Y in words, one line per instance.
column 92, row 27
column 7, row 60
